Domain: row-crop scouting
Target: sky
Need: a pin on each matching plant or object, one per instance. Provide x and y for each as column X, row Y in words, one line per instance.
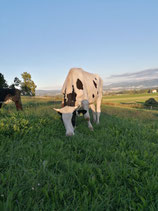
column 48, row 37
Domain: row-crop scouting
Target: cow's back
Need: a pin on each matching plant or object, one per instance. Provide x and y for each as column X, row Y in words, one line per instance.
column 81, row 85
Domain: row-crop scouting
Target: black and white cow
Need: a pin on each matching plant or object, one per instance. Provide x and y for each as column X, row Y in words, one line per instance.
column 81, row 90
column 13, row 94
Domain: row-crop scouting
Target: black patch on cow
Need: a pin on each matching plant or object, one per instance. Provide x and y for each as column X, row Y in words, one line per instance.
column 95, row 79
column 73, row 120
column 61, row 117
column 71, row 98
column 60, row 113
column 65, row 98
column 5, row 92
column 82, row 111
column 93, row 95
column 79, row 84
column 95, row 84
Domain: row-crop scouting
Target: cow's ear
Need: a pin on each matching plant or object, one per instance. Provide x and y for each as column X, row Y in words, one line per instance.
column 66, row 109
column 58, row 110
column 82, row 111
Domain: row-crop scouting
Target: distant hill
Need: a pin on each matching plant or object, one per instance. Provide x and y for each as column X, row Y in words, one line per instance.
column 47, row 92
column 137, row 80
column 132, row 85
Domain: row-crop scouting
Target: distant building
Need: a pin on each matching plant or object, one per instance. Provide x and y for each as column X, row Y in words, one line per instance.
column 154, row 91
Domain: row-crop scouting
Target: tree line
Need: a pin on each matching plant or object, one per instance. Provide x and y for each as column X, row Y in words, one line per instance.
column 26, row 85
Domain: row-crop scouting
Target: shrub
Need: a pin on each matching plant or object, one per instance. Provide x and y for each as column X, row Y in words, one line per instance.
column 151, row 102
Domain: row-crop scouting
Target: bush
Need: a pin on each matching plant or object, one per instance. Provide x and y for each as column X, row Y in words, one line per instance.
column 151, row 102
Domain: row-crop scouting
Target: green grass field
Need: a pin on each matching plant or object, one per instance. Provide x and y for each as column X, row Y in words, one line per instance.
column 129, row 100
column 115, row 167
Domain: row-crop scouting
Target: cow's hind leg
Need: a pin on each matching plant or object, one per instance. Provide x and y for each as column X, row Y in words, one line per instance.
column 85, row 105
column 92, row 106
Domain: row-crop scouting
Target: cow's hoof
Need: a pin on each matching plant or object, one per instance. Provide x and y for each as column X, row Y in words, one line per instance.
column 91, row 128
column 69, row 134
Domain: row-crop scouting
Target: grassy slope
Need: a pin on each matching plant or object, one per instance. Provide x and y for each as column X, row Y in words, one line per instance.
column 113, row 168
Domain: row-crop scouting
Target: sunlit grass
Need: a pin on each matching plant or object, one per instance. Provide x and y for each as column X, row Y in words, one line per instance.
column 112, row 168
column 133, row 98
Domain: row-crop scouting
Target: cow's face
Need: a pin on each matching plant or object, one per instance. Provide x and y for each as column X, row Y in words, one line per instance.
column 68, row 114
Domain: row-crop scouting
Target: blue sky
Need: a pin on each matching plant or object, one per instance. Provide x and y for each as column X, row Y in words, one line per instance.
column 48, row 37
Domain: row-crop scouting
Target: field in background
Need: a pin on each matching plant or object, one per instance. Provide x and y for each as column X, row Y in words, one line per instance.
column 129, row 100
column 115, row 167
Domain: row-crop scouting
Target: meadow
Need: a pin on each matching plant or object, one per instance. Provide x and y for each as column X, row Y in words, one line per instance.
column 115, row 167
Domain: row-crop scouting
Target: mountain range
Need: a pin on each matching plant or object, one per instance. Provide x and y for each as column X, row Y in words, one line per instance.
column 136, row 80
column 47, row 92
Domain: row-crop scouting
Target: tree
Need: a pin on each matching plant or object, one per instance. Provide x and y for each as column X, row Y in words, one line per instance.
column 17, row 82
column 3, row 83
column 27, row 86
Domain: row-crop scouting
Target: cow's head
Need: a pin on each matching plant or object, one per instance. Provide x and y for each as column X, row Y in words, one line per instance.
column 68, row 115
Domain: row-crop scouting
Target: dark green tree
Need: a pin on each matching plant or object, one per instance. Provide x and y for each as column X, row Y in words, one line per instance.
column 17, row 82
column 3, row 83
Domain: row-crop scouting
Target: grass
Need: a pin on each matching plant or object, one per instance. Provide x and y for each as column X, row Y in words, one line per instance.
column 129, row 100
column 113, row 168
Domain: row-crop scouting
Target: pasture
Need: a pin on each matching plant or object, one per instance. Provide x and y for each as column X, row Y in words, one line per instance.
column 115, row 167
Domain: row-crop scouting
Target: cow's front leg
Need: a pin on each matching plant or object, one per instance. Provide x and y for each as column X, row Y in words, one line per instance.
column 85, row 105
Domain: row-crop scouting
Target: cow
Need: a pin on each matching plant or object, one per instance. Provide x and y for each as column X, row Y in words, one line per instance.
column 13, row 94
column 81, row 91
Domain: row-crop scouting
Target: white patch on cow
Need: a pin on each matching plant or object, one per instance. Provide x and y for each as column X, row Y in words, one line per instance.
column 68, row 124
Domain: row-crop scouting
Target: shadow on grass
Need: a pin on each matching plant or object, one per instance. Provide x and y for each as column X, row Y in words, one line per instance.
column 135, row 103
column 35, row 104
